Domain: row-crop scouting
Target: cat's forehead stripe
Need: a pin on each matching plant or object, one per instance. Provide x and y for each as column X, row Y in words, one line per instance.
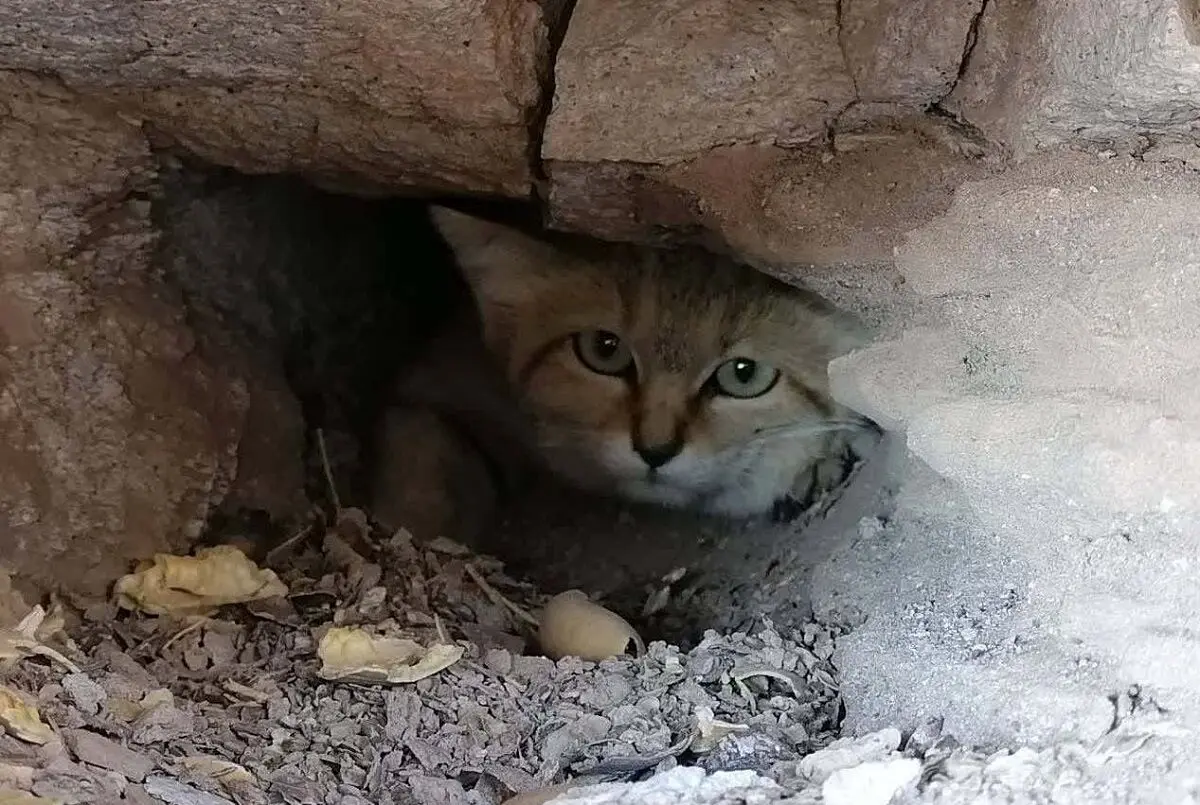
column 685, row 313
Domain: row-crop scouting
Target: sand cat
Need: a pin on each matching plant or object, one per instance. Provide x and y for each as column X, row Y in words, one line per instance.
column 668, row 376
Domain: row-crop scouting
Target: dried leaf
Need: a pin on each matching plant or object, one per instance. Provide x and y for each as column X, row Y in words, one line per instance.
column 127, row 711
column 573, row 626
column 790, row 678
column 14, row 775
column 194, row 585
column 22, row 720
column 25, row 639
column 12, row 604
column 229, row 775
column 351, row 653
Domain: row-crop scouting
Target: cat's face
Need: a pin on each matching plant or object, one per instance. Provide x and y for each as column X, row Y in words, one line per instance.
column 674, row 377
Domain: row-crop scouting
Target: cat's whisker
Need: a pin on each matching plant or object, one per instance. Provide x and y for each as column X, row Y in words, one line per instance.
column 816, row 428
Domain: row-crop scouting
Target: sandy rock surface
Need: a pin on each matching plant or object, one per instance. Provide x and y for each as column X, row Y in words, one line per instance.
column 1104, row 72
column 1048, row 375
column 116, row 438
column 441, row 96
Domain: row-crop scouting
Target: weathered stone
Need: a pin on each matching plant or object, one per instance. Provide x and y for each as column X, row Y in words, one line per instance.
column 97, row 750
column 418, row 93
column 116, row 437
column 1096, row 71
column 771, row 205
column 639, row 88
column 679, row 121
column 1051, row 373
column 905, row 53
column 663, row 82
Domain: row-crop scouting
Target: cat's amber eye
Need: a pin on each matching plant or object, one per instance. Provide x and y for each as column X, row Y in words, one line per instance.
column 743, row 378
column 603, row 352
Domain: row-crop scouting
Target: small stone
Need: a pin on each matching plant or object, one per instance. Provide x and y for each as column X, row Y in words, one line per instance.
column 174, row 792
column 106, row 753
column 874, row 783
column 86, row 693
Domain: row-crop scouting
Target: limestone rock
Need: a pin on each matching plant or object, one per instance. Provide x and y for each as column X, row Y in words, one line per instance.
column 662, row 82
column 1050, row 374
column 362, row 94
column 640, row 85
column 906, row 53
column 1096, row 71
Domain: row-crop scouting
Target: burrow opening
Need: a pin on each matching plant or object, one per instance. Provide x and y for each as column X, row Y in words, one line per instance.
column 334, row 295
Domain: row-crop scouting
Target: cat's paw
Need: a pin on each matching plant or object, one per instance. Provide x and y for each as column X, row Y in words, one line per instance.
column 815, row 482
column 430, row 479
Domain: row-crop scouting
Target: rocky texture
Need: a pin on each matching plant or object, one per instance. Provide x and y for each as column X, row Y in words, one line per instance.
column 116, row 437
column 628, row 74
column 234, row 707
column 819, row 132
column 360, row 94
column 677, row 574
column 1047, row 367
column 693, row 114
column 1115, row 74
column 781, row 74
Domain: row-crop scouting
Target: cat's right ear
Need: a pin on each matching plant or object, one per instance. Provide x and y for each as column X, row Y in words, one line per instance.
column 499, row 262
column 503, row 266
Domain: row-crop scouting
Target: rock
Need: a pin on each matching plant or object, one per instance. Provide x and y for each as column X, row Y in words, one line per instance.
column 768, row 129
column 874, row 783
column 628, row 74
column 165, row 789
column 905, row 53
column 1048, row 374
column 88, row 747
column 1083, row 71
column 356, row 94
column 116, row 438
column 846, row 753
column 766, row 75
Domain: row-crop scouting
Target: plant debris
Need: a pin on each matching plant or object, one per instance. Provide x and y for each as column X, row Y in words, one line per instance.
column 367, row 667
column 351, row 653
column 197, row 585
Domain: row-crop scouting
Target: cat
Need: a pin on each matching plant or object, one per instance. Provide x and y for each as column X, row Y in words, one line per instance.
column 674, row 377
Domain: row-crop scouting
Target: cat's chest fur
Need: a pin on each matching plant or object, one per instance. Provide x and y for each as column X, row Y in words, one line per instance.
column 672, row 377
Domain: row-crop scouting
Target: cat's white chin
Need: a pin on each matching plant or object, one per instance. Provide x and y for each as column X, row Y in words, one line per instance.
column 712, row 484
column 739, row 484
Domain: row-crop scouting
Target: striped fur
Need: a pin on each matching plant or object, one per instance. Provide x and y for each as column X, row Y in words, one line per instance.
column 682, row 312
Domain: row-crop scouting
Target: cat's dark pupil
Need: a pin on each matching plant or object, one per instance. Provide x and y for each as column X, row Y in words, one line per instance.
column 606, row 345
column 744, row 370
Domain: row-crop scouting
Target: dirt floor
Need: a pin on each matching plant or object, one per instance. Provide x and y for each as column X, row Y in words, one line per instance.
column 234, row 705
column 269, row 700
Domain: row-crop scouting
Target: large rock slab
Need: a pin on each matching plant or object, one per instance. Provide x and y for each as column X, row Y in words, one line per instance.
column 443, row 96
column 118, row 436
column 664, row 82
column 1050, row 371
column 692, row 118
column 1105, row 72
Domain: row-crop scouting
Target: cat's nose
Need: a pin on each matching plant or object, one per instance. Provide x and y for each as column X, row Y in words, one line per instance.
column 655, row 455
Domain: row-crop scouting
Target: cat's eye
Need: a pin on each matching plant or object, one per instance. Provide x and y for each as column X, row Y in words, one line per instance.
column 744, row 378
column 602, row 352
